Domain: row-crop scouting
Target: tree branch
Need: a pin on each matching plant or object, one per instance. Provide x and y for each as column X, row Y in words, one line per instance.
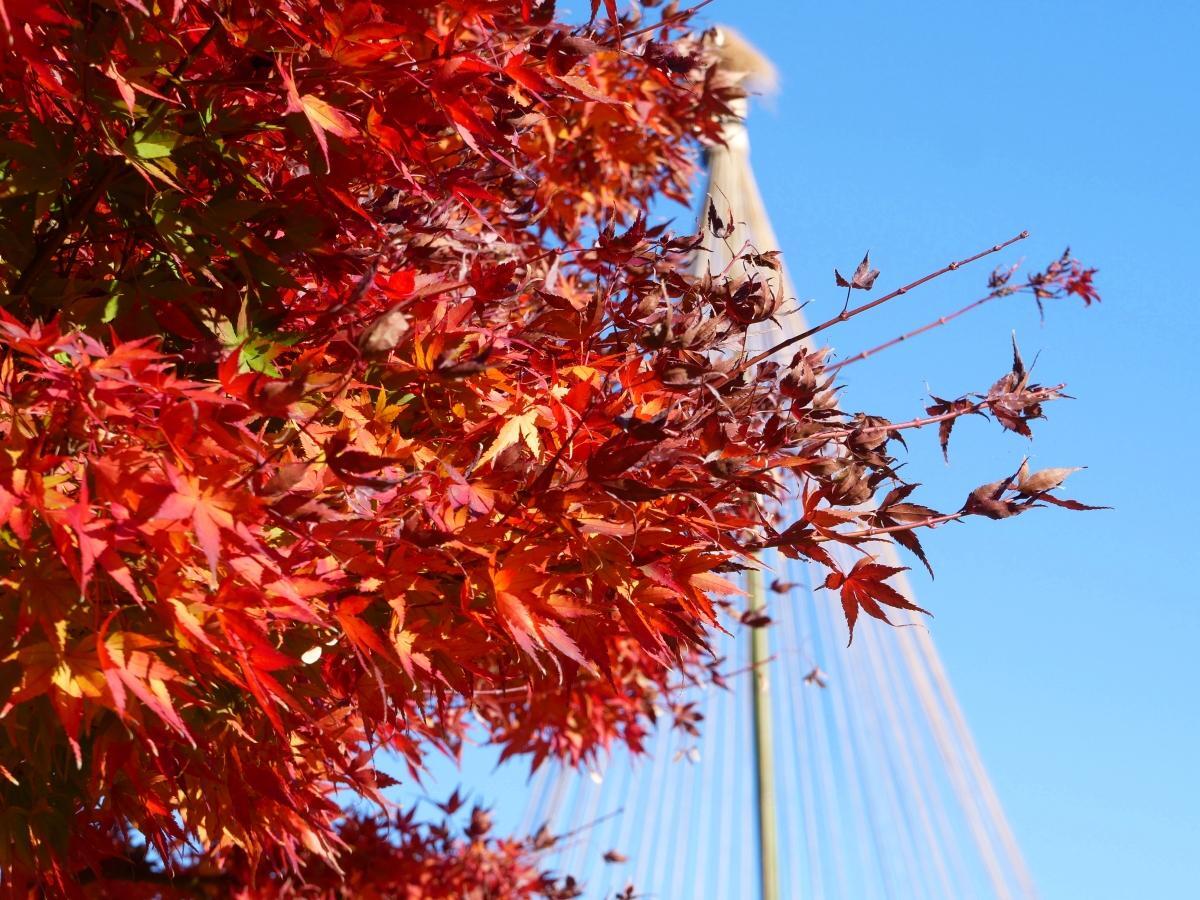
column 845, row 314
column 1041, row 394
column 53, row 240
column 858, row 357
column 931, row 522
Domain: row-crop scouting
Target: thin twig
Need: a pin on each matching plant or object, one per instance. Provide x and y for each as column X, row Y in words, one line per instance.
column 667, row 21
column 845, row 315
column 723, row 676
column 592, row 824
column 931, row 522
column 1045, row 393
column 858, row 357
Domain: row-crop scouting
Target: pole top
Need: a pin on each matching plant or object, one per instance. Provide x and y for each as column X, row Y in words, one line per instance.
column 743, row 60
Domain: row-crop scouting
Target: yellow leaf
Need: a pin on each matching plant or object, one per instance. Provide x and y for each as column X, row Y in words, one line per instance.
column 522, row 428
column 326, row 117
column 65, row 681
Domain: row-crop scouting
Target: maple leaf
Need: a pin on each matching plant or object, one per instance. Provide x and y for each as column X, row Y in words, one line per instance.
column 816, row 677
column 385, row 332
column 864, row 587
column 719, row 228
column 952, row 410
column 516, row 429
column 611, row 7
column 511, row 583
column 207, row 510
column 1042, row 480
column 123, row 86
column 353, row 466
column 893, row 512
column 127, row 664
column 321, row 116
column 863, row 278
column 1037, row 486
column 618, row 454
column 1080, row 284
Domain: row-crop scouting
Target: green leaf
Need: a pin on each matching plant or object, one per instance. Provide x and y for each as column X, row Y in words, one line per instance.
column 154, row 146
column 112, row 308
column 258, row 355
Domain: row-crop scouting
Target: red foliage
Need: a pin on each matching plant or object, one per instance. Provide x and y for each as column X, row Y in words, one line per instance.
column 382, row 856
column 345, row 392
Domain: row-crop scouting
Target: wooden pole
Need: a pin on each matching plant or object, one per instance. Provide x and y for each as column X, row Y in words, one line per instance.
column 764, row 747
column 732, row 189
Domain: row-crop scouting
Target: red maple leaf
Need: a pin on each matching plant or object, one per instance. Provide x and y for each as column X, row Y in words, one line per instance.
column 1080, row 284
column 864, row 587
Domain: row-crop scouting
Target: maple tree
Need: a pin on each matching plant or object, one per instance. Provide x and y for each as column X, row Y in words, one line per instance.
column 348, row 397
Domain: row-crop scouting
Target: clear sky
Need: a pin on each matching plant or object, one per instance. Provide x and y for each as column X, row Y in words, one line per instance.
column 924, row 131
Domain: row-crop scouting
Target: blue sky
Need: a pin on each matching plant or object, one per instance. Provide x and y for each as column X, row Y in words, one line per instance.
column 925, row 131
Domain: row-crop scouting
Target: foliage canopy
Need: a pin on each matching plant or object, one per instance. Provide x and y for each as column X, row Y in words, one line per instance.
column 345, row 393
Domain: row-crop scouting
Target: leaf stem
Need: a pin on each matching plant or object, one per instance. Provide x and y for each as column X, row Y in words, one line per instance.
column 931, row 522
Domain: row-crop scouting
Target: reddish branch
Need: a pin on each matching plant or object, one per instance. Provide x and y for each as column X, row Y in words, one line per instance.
column 847, row 314
column 936, row 323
